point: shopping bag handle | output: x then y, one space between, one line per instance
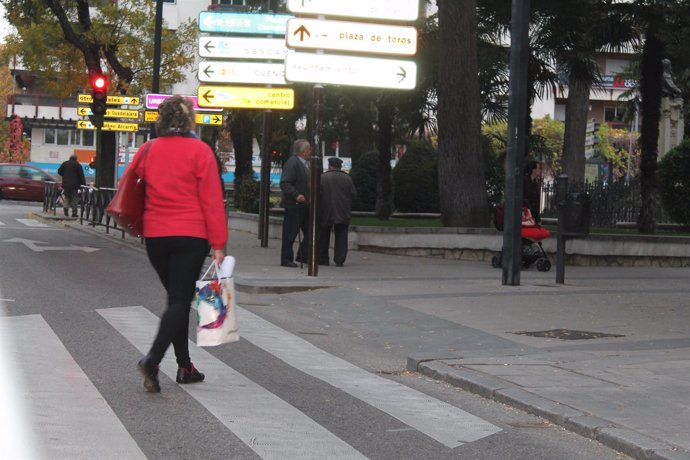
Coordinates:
213 265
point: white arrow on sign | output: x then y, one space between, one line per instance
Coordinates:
33 245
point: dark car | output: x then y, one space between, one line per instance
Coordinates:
23 182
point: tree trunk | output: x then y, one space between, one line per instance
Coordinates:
384 196
241 133
576 108
651 70
462 184
358 128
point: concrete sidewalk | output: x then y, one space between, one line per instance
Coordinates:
606 355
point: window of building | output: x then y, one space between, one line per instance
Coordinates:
59 136
62 136
613 114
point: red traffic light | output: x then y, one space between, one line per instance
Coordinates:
99 83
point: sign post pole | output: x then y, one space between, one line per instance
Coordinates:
265 181
315 183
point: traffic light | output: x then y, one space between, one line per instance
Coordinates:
99 95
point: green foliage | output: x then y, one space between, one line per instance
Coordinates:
364 174
415 179
674 182
246 195
546 142
118 33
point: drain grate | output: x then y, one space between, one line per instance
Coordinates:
567 334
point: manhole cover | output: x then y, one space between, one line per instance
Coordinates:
567 334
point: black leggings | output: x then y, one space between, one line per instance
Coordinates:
178 261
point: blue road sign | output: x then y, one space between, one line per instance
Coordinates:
243 23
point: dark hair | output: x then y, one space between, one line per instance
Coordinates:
175 116
531 166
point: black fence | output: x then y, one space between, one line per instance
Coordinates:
612 204
92 204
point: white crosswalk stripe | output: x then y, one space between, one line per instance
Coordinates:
65 408
267 424
1 224
445 423
32 223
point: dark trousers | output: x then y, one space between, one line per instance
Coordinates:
71 200
178 261
295 219
339 246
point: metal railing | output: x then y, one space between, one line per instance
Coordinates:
611 203
92 204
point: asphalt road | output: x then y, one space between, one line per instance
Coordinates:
76 311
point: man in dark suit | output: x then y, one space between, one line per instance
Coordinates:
337 193
72 178
294 184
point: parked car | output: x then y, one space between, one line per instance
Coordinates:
24 182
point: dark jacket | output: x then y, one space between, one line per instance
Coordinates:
337 193
72 174
294 181
531 194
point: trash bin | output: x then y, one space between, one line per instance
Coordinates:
576 213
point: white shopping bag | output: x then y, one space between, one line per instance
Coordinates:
216 307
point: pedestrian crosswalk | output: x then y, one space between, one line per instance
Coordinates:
31 223
65 408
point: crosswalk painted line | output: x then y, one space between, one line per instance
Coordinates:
268 425
64 407
32 223
441 421
1 224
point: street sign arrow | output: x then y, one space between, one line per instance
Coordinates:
301 30
33 245
402 74
208 71
208 97
209 47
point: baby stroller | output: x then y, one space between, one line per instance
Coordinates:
532 234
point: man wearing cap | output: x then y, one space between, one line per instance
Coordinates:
337 193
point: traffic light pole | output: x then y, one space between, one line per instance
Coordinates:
99 157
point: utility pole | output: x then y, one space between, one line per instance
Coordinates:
517 117
155 81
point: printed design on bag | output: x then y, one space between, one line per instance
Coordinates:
212 294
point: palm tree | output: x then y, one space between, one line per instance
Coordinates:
462 187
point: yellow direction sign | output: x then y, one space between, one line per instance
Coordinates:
112 100
110 113
150 115
238 97
109 126
201 118
209 119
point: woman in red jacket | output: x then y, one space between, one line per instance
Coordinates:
184 217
